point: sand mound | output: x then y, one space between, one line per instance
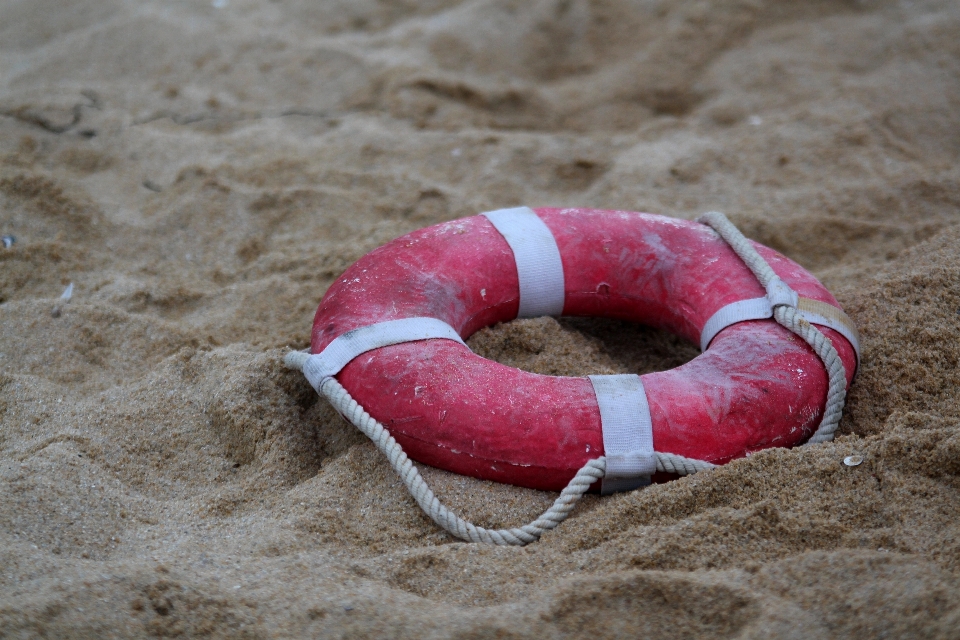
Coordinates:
202 172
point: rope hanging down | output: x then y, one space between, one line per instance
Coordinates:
341 400
344 403
785 313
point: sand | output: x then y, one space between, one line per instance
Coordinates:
202 173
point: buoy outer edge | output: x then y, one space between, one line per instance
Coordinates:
757 386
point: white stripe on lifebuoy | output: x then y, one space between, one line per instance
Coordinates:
627 432
760 309
345 348
539 267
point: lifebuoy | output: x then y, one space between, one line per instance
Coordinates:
391 328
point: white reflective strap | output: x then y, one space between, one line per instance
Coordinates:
351 344
740 311
539 267
813 311
627 432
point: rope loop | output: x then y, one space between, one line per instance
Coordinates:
594 470
591 472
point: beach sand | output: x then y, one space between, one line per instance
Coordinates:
201 173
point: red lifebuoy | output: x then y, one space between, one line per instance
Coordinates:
757 386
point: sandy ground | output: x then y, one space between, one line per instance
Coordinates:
202 173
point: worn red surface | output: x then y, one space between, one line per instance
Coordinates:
757 386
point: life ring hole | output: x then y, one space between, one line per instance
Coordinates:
581 346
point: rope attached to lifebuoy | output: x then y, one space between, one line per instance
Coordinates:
785 312
782 298
350 409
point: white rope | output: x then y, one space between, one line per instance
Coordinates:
787 315
594 470
673 463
